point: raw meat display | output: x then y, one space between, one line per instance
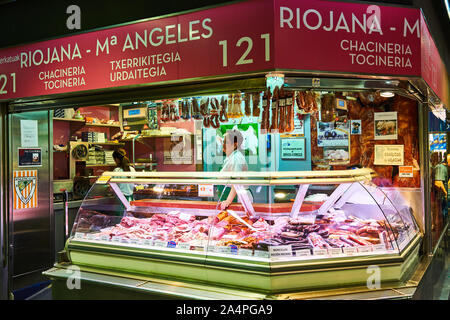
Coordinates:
313 231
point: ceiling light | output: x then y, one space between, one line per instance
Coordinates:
387 94
280 195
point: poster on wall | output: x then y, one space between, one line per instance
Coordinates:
355 127
333 134
405 171
25 189
389 155
385 126
30 157
29 133
293 149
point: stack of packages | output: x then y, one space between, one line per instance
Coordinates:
109 157
96 156
98 137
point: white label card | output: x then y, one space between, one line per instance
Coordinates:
79 235
104 237
335 251
365 249
184 246
223 249
379 247
245 252
159 243
147 242
320 252
261 254
303 253
116 239
206 190
280 251
349 250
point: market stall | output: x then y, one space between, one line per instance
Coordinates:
332 142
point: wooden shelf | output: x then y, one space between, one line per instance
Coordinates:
69 120
87 124
107 143
100 165
159 136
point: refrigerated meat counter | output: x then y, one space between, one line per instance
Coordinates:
160 246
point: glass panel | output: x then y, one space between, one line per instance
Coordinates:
100 209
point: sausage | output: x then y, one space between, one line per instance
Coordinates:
248 111
255 100
274 123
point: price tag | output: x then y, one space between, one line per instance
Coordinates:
349 250
125 240
261 254
171 244
103 179
134 241
245 252
320 252
104 238
147 242
212 249
79 235
184 246
303 253
206 190
223 249
159 243
116 239
365 249
289 101
335 251
90 236
198 248
379 247
280 251
233 249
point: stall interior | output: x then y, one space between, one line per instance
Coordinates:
282 130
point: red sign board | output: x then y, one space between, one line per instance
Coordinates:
347 37
243 37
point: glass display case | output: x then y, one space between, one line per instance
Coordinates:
314 229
